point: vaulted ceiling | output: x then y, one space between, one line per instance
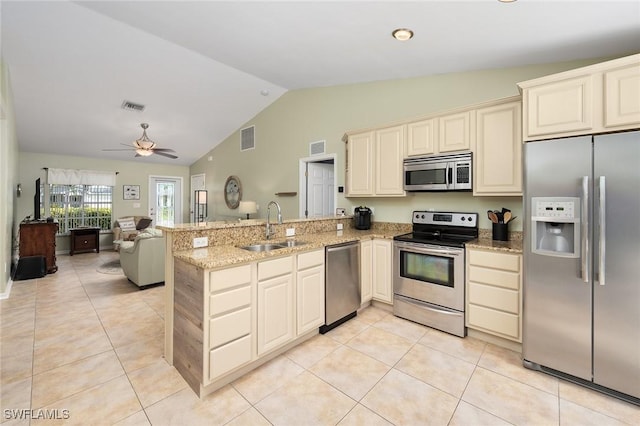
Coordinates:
204 68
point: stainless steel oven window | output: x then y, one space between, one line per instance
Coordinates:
427 268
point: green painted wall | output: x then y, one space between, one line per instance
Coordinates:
8 176
284 130
129 173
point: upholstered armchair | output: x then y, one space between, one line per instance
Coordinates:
127 228
142 259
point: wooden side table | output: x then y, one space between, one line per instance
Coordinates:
83 239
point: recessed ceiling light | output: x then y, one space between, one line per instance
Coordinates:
264 92
402 34
507 1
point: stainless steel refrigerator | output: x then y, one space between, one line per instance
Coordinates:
582 261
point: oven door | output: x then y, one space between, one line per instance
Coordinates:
429 273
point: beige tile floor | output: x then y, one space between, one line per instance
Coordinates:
91 344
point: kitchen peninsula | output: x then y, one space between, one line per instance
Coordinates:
229 310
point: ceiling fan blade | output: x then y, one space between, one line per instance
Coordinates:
119 149
163 149
164 154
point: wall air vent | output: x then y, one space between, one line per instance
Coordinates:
132 106
316 148
247 138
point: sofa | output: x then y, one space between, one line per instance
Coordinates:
142 259
127 228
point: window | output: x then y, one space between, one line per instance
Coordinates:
81 205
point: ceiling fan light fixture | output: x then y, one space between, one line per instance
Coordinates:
144 142
143 152
402 34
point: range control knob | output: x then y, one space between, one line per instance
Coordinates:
470 219
423 216
417 216
463 218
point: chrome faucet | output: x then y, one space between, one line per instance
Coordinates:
269 230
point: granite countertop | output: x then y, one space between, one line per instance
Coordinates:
214 257
512 246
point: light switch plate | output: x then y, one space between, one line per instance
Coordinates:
200 242
340 226
291 232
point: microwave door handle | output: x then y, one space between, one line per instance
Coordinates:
449 175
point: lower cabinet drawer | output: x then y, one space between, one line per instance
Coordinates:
501 323
229 300
227 357
494 297
228 327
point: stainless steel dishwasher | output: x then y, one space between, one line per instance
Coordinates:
342 284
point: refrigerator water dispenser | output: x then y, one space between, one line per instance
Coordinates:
555 226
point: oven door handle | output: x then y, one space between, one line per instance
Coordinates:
427 306
420 248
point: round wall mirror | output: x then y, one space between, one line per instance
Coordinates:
232 192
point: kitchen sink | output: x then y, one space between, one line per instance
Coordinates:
273 246
263 247
292 243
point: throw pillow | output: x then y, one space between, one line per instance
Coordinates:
127 224
143 223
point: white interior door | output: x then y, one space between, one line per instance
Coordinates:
165 200
197 183
320 187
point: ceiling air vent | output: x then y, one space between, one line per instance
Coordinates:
316 148
247 138
132 106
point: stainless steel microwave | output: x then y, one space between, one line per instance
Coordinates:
453 172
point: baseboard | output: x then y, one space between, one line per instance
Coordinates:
7 291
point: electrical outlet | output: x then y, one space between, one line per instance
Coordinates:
291 232
200 242
340 226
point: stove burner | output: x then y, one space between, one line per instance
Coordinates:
442 228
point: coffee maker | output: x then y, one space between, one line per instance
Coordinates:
362 217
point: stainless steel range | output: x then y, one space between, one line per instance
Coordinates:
429 269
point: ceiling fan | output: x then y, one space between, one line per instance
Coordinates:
144 146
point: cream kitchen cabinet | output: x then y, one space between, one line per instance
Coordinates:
454 132
374 163
366 277
494 293
497 149
422 137
275 303
228 331
381 270
310 291
440 134
595 99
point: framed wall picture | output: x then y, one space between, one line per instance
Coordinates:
131 192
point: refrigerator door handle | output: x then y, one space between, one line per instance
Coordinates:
585 229
603 230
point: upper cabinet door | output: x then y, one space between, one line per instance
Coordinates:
498 150
560 107
622 96
421 137
389 156
454 132
360 164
